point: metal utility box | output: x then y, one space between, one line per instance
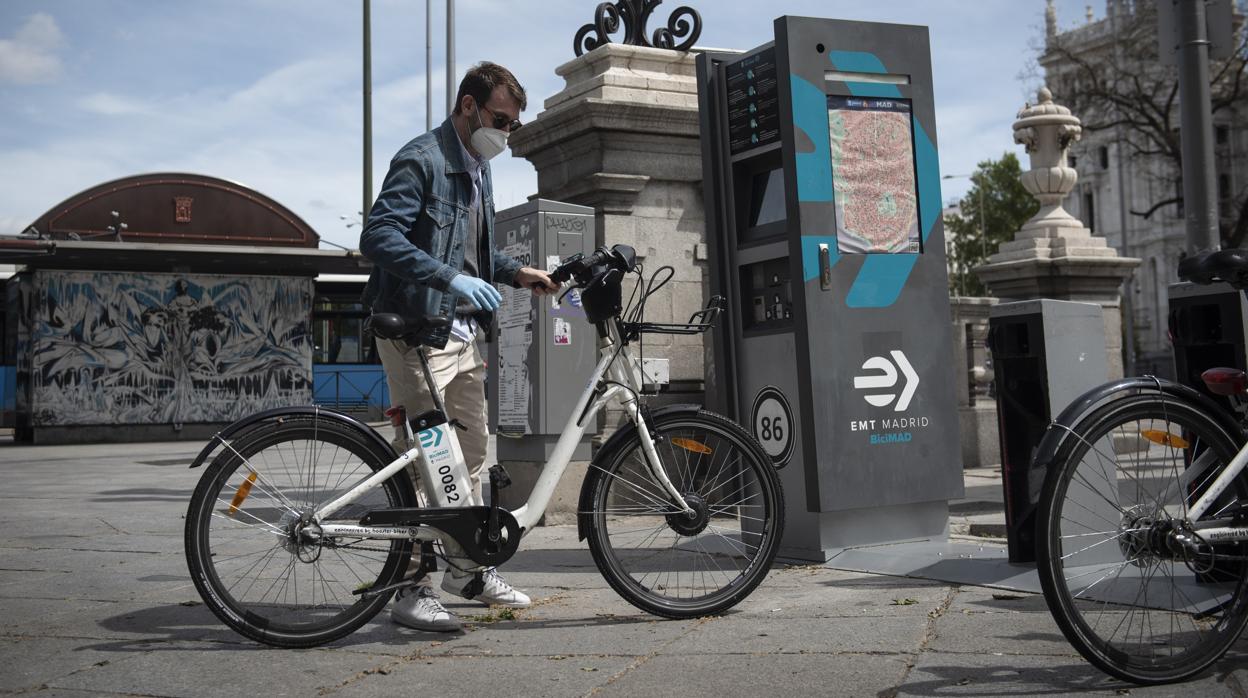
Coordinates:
543 351
1045 353
822 191
1209 328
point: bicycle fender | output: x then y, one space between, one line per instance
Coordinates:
584 504
1059 431
300 411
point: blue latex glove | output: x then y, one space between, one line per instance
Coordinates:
481 295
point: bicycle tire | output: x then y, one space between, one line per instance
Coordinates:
741 524
249 569
1112 492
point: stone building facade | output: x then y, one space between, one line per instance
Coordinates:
1118 182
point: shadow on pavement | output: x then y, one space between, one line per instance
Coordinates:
1005 680
166 627
171 623
143 494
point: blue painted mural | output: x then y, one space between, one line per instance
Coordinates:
113 348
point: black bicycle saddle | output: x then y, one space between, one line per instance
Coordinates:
1230 266
392 326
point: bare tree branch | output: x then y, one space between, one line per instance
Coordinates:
1149 213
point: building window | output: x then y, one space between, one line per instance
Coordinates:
1224 186
1073 161
338 332
1104 155
1222 134
1089 210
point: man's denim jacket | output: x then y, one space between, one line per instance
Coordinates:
416 232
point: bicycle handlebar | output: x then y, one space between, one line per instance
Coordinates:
583 269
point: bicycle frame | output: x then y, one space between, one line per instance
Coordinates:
617 372
1212 532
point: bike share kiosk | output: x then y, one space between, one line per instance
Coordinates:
544 349
1045 354
1208 326
824 217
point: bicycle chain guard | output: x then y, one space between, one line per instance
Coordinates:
468 526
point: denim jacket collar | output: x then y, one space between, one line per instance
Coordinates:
452 147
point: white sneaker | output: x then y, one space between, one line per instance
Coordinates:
497 591
418 607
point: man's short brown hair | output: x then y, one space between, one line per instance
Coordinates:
480 81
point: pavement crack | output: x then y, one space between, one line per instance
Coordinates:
929 634
642 659
382 669
106 523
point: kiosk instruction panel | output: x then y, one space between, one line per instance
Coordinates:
753 102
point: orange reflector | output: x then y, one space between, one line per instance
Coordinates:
1165 438
243 490
691 445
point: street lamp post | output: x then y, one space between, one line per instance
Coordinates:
368 108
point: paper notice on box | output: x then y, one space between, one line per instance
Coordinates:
563 332
517 305
513 379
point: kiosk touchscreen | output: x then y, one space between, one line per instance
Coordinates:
823 202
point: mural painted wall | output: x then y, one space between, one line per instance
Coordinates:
17 319
117 348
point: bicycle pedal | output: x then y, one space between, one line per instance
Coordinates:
499 477
369 593
474 588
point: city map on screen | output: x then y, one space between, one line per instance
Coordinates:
877 205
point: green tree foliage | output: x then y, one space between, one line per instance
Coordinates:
1006 206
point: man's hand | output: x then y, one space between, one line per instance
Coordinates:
536 281
481 295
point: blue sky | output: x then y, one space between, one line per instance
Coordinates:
267 92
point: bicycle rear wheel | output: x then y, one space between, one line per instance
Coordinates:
661 560
1127 594
246 556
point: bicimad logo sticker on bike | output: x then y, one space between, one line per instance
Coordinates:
890 381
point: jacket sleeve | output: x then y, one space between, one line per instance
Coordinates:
384 239
505 269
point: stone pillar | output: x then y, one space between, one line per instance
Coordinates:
977 409
1054 255
622 137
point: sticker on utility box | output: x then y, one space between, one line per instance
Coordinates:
772 421
563 332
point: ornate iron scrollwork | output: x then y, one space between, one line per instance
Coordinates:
634 14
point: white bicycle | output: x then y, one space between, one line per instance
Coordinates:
302 526
1142 526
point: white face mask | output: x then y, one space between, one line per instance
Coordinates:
487 141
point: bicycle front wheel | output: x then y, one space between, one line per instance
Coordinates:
248 556
1129 593
664 561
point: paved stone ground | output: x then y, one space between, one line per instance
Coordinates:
95 600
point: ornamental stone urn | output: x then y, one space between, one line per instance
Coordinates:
1046 130
1053 255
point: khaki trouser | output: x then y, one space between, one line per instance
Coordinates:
459 372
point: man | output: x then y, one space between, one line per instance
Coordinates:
430 237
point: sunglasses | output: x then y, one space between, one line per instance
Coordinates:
501 122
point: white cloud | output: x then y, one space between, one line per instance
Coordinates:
30 57
107 104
